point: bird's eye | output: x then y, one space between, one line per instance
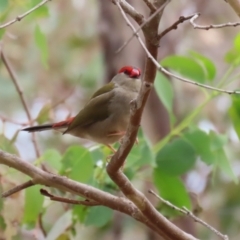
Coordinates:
131 72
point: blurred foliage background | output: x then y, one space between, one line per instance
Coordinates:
189 139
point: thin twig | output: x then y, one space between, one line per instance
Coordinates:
175 25
141 26
40 223
18 188
6 119
20 93
68 200
150 5
211 26
185 211
20 17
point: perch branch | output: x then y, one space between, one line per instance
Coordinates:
169 230
38 176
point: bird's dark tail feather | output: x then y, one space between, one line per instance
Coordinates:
38 128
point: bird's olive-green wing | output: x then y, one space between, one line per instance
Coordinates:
105 89
95 110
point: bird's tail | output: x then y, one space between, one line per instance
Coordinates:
55 126
38 128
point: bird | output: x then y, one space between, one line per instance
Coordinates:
105 117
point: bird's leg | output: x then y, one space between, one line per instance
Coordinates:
112 134
110 147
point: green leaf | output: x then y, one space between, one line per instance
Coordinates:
223 163
60 226
3 5
233 55
185 66
80 212
176 158
98 216
171 188
201 142
207 64
234 113
2 32
53 158
217 146
236 42
3 224
7 145
41 42
164 91
93 72
218 141
78 164
40 12
33 204
140 155
1 199
44 114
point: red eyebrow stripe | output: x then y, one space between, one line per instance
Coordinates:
63 123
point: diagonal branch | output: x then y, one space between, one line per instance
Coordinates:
142 25
131 11
20 93
20 17
38 176
168 230
235 4
18 188
186 212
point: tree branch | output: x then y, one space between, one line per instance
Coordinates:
38 176
186 212
20 17
169 230
235 4
175 25
131 11
68 200
211 26
18 188
20 93
150 5
163 70
141 26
